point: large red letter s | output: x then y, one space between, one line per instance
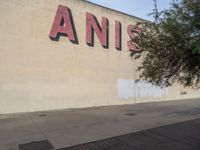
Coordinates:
133 31
92 26
63 25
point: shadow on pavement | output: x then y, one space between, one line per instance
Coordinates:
179 136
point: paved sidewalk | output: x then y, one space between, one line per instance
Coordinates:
66 128
179 136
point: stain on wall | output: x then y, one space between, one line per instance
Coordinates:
135 89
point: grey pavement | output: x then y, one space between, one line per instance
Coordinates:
179 136
138 124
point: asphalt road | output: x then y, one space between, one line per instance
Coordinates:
117 127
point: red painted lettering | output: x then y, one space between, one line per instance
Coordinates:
118 34
132 31
92 26
63 25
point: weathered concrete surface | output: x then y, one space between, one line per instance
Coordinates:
71 127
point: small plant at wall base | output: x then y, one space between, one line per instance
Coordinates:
171 45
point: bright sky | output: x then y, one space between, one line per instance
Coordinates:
138 8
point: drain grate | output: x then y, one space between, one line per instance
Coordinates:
42 115
130 114
36 145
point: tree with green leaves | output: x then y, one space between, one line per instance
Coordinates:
170 45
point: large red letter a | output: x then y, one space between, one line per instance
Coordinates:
63 25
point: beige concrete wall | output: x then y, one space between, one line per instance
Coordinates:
37 73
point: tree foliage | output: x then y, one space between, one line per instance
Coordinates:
171 45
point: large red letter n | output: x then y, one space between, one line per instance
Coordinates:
92 26
63 25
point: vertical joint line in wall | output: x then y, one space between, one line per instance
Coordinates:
134 76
